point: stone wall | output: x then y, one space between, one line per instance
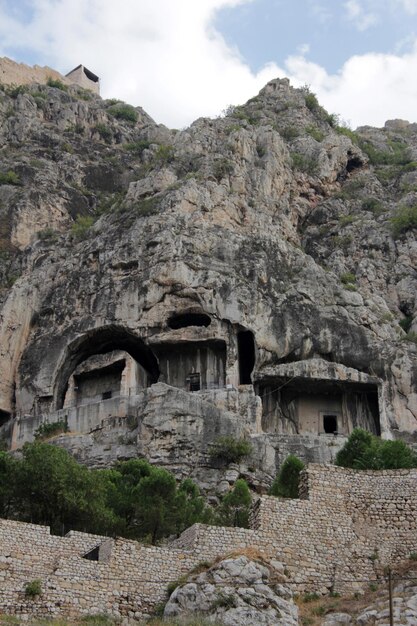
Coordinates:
346 527
12 73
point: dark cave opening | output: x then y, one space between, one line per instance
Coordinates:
318 406
182 320
102 341
353 164
4 417
330 424
246 356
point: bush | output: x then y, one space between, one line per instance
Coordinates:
310 99
164 154
104 132
406 323
315 132
397 153
348 132
81 226
366 451
289 133
9 178
235 506
49 430
33 588
304 163
374 205
123 112
229 449
221 168
348 278
404 219
137 147
48 235
287 481
57 84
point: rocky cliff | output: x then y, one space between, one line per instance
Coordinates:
261 267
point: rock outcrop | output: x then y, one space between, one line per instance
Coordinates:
250 260
236 592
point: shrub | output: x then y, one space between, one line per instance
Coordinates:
147 206
315 132
57 84
348 132
49 430
224 600
348 278
374 205
229 449
221 168
287 480
9 178
304 163
404 219
137 147
123 112
289 133
81 226
234 509
33 589
358 442
310 99
366 451
104 132
406 322
411 336
397 153
344 220
164 154
15 90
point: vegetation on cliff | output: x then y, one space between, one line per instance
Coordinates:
133 499
366 451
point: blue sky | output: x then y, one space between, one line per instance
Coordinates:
270 30
181 59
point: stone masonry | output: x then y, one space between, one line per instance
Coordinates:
344 530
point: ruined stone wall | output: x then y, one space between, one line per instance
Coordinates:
347 526
12 73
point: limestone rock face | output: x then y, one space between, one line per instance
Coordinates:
235 592
247 261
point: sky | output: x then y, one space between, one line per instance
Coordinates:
183 59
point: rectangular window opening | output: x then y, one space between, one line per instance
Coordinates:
194 381
330 424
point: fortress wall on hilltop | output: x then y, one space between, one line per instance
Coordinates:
12 73
340 535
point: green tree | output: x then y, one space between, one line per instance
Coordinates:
8 471
235 506
191 506
288 478
156 514
53 489
357 445
366 451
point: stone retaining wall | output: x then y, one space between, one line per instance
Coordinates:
339 536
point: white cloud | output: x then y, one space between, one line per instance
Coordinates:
409 5
161 54
369 88
166 56
359 16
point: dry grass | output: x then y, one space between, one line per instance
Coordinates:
311 612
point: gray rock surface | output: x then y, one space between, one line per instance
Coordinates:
236 592
270 219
